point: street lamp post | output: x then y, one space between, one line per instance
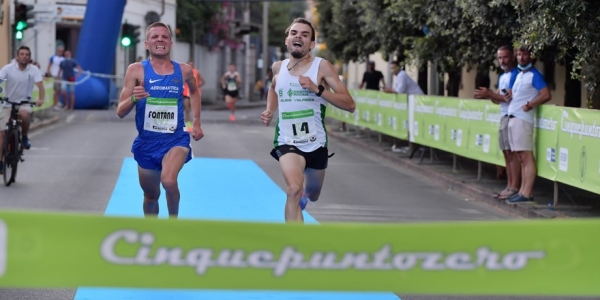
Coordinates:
265 41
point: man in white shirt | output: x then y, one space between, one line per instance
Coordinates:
404 84
53 69
20 77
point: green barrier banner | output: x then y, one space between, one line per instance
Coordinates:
366 104
496 258
577 155
378 111
468 128
361 113
344 116
436 124
483 120
391 114
48 96
546 141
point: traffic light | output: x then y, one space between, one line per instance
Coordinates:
245 28
129 34
23 14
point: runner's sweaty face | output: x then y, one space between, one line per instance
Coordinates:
158 41
298 40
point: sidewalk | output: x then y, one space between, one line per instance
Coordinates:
43 118
572 202
219 104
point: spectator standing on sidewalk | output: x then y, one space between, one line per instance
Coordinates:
403 84
371 78
529 91
506 59
53 69
67 74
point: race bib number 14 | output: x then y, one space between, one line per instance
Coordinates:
299 127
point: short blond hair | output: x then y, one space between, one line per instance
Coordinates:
158 24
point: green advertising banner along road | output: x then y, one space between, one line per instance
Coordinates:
468 128
546 141
564 137
381 112
577 156
493 258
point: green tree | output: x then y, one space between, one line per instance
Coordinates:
281 14
571 26
199 15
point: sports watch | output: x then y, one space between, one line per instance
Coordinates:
321 89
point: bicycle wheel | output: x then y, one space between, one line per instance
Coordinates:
11 157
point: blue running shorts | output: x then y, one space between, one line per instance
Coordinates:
149 153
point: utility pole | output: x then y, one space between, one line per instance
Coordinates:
193 44
248 63
265 41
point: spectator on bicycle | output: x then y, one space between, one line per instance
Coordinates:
20 78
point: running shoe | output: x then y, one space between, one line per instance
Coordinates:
303 202
232 118
519 199
26 143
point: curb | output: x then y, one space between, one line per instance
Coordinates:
470 191
43 123
238 107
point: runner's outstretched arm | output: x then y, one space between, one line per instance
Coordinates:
130 92
340 97
272 101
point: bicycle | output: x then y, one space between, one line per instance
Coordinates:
13 145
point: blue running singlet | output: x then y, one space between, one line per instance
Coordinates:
159 118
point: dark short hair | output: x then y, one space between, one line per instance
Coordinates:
302 21
24 48
506 48
524 48
371 63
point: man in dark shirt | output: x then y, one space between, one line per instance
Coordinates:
372 78
67 75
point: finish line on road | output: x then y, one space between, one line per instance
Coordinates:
212 189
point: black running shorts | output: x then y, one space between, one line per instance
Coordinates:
314 160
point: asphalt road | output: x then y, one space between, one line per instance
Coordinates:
74 165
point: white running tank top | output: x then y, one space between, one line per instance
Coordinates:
301 114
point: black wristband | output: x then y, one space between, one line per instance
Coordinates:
321 89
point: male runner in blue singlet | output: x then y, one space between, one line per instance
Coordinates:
154 87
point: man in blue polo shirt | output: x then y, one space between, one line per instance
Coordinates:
528 92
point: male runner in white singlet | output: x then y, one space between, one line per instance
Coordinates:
301 89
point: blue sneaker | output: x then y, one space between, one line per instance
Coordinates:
26 143
519 199
303 202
